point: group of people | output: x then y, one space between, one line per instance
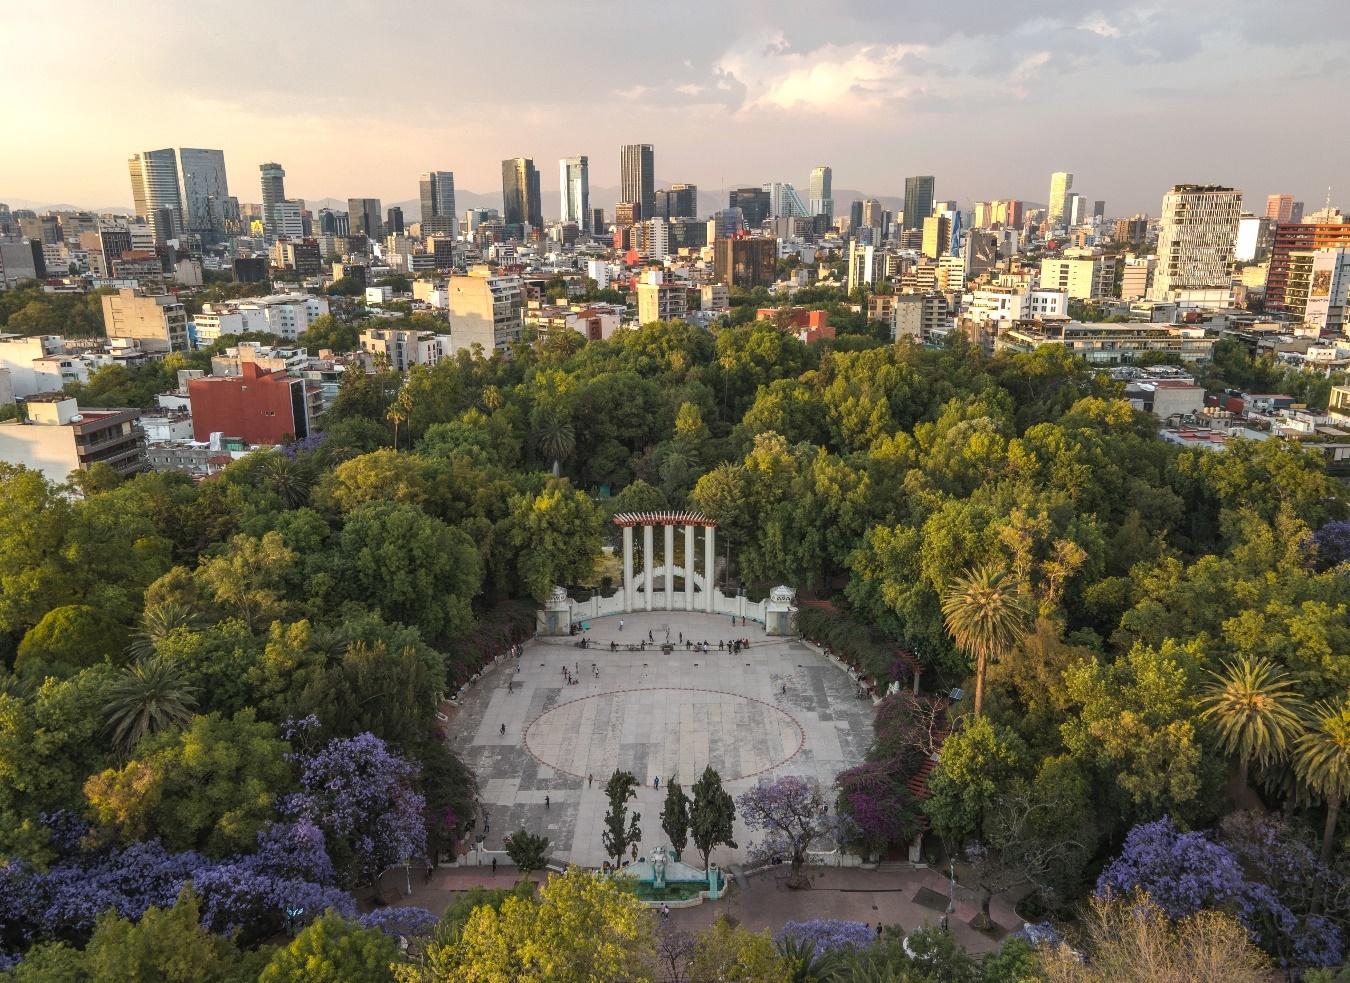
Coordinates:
735 645
572 676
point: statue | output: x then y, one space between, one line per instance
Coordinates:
659 861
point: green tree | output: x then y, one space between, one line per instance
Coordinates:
712 815
976 764
675 815
728 952
412 568
581 927
527 851
149 696
552 538
1256 713
213 786
1322 763
987 617
621 830
555 437
331 949
71 637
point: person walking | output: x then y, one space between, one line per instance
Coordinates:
589 779
620 624
494 866
665 912
546 802
503 730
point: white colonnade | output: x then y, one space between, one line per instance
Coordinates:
648 521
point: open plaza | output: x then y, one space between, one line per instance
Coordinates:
777 707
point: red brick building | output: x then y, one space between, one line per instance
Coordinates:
806 324
259 406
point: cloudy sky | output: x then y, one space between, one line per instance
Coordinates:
355 97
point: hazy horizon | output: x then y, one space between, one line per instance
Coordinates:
989 97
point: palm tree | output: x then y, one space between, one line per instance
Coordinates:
287 477
986 616
399 411
1256 711
158 622
1322 763
556 439
150 696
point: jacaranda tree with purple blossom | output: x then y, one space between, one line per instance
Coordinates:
362 796
828 934
1181 872
793 814
876 810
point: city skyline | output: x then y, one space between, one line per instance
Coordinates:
890 93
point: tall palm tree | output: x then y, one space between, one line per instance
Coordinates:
556 439
150 696
1255 710
158 622
1322 763
986 615
399 411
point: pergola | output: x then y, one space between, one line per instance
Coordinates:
649 521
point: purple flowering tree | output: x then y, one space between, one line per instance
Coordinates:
1182 872
406 921
1332 542
361 795
876 810
827 934
793 815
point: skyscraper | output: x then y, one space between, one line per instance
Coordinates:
437 192
637 177
393 220
822 191
520 193
919 193
1195 239
273 193
155 191
1280 208
1057 206
363 215
680 201
204 190
574 180
753 203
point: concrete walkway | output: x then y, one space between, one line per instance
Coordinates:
871 896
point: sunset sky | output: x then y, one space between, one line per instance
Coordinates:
355 98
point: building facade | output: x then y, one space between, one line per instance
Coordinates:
156 193
1196 238
574 180
637 177
1057 204
257 406
919 194
158 323
485 310
205 190
520 193
56 437
746 263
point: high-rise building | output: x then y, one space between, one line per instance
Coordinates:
273 193
784 202
574 180
822 192
1195 239
437 192
1074 214
393 221
205 190
363 216
158 323
919 193
155 191
1057 206
1280 208
680 201
855 212
873 214
745 263
1098 211
1298 237
937 235
485 310
637 177
520 193
597 221
753 203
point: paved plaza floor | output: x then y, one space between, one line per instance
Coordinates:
776 708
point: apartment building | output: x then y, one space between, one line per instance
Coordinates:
485 310
158 323
56 437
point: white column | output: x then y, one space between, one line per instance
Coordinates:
709 564
647 584
688 566
628 568
669 560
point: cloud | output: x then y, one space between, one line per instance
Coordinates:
840 79
1100 26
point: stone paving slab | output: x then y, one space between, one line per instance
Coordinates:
773 709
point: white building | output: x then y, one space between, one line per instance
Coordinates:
862 265
26 361
284 315
406 348
1082 275
991 304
